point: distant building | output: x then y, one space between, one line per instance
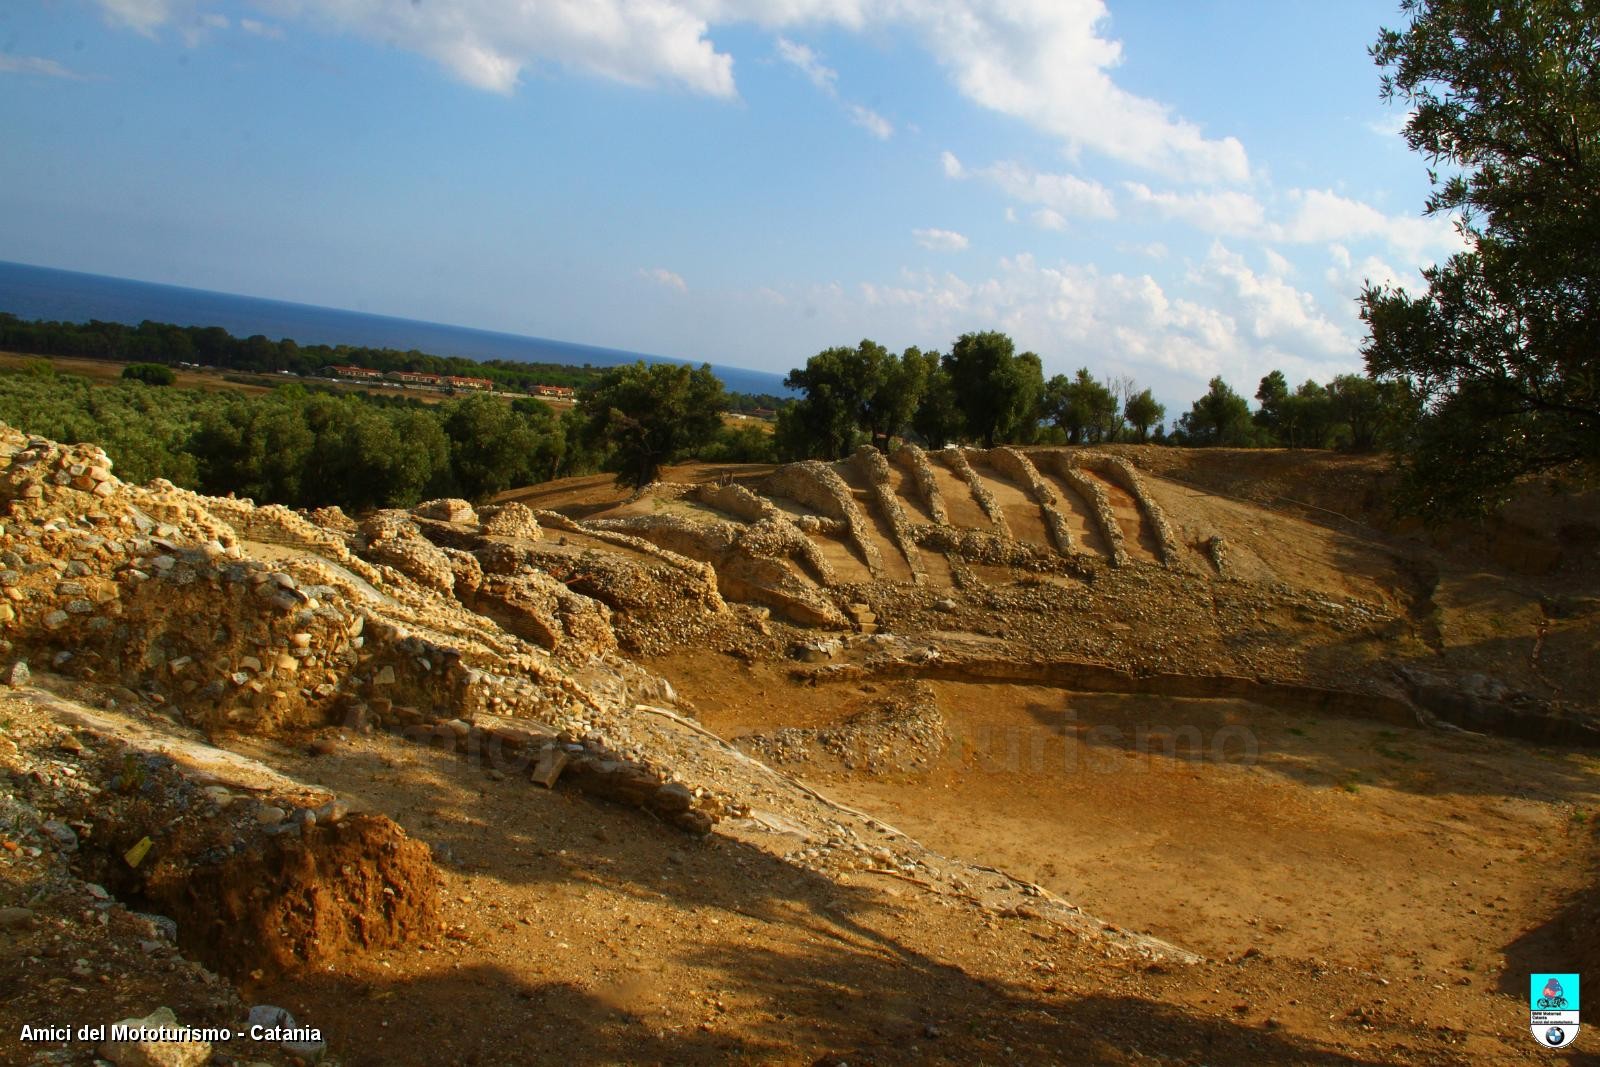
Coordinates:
764 413
555 392
411 377
455 382
351 372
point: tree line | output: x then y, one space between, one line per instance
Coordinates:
309 447
166 344
984 391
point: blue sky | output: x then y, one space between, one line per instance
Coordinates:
1162 190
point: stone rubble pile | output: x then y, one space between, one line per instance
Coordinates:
151 591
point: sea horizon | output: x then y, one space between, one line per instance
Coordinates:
52 293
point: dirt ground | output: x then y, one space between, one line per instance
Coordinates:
572 926
1217 824
1357 888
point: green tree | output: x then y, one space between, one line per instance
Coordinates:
850 394
1221 417
1082 407
254 447
837 385
1301 419
1272 396
494 446
646 414
890 408
747 443
149 373
1367 415
1143 412
1501 348
996 390
937 418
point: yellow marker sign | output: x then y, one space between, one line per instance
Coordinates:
137 853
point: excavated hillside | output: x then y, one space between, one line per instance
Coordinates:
1017 755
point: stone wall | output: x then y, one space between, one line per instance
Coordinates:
871 465
1016 465
956 460
1104 519
819 487
1124 474
915 460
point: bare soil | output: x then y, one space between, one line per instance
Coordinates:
1366 887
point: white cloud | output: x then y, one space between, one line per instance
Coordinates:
1392 123
142 16
46 68
825 78
1048 219
1278 265
1349 275
1152 249
1063 195
261 29
803 59
1223 212
1321 216
198 27
1277 312
490 43
1043 62
1312 216
871 121
665 278
940 240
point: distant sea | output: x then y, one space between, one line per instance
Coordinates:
70 296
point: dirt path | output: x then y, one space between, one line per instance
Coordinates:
579 933
1424 865
1311 843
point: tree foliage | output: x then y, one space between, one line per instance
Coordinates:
1082 407
996 390
294 446
850 396
1143 412
1220 417
149 373
644 415
1501 348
